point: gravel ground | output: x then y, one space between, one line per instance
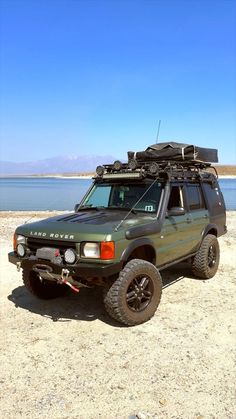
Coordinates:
67 359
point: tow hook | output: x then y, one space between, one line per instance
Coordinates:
64 277
18 266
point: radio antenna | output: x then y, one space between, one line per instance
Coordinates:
158 130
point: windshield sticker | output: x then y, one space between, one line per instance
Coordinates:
149 208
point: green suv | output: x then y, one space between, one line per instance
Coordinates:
160 208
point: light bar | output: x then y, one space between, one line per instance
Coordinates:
122 175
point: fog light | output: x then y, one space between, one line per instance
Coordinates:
100 170
153 168
21 250
132 164
70 256
117 165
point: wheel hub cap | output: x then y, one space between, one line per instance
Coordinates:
139 293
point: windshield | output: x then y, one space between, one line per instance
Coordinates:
138 196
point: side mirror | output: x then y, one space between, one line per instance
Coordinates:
76 207
176 211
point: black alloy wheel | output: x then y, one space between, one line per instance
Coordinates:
139 293
212 256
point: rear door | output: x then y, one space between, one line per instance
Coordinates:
197 214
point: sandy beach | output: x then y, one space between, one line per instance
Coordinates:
66 358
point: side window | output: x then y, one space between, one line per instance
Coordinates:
195 198
176 197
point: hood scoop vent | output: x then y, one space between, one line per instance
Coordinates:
83 217
70 217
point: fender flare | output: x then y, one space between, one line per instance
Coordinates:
142 241
208 228
205 232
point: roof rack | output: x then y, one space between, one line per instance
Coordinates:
164 160
152 169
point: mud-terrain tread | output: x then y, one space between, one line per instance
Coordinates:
200 266
112 297
45 291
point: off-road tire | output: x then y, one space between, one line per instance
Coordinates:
45 290
117 298
206 261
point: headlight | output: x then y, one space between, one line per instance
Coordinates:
103 250
17 239
21 250
20 239
70 256
91 250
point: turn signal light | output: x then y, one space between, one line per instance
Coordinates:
107 250
14 242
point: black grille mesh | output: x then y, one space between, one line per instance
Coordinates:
36 243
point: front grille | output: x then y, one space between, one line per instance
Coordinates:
35 243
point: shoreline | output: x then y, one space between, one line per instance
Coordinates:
77 177
226 177
47 177
20 213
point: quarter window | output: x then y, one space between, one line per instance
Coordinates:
195 199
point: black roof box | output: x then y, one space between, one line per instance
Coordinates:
173 151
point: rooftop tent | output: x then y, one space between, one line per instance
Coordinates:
173 151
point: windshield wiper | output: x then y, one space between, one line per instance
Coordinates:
98 208
123 209
89 207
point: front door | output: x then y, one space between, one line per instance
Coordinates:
175 238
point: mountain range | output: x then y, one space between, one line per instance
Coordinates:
55 165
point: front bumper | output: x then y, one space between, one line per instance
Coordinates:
81 270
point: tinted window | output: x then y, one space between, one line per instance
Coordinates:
214 198
195 199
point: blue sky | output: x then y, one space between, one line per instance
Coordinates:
94 77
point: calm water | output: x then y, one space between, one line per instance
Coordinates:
62 194
41 193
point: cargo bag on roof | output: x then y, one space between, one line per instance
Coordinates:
176 152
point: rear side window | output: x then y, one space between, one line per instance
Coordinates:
214 198
195 198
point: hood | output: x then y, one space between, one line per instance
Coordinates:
94 225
